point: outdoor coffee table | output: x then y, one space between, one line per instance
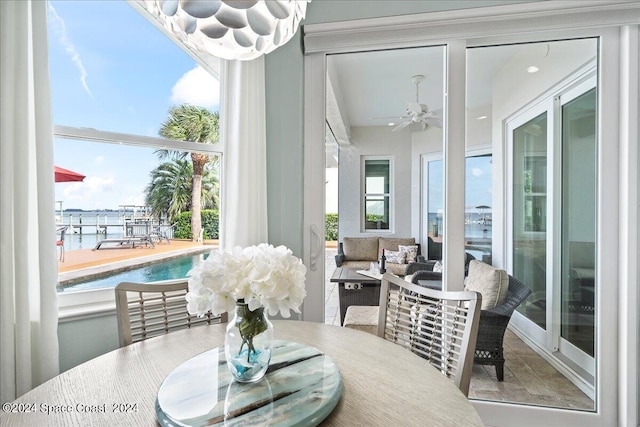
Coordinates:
355 289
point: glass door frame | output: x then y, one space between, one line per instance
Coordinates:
514 23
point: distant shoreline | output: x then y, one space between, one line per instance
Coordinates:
89 210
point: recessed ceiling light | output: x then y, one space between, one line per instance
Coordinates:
481 118
391 124
532 69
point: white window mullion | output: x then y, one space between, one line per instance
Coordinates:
454 165
94 135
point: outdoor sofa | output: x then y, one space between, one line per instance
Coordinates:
360 252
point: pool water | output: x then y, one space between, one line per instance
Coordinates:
175 268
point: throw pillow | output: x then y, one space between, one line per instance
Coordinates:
394 257
360 248
491 282
438 267
410 251
392 243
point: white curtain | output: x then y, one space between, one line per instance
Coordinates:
28 265
244 187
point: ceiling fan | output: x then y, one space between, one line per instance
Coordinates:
419 113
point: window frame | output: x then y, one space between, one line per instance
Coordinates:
364 195
99 302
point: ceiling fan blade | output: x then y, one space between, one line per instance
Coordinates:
433 121
390 117
401 126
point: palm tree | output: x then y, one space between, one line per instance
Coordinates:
195 124
170 189
211 184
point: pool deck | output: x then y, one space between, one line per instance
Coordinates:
86 262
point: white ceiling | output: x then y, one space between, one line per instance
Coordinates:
373 88
369 85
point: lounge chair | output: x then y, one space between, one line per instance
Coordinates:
125 243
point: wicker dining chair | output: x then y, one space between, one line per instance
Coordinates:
438 326
146 310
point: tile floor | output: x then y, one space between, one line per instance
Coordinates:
528 378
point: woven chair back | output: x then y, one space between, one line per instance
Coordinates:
146 310
438 326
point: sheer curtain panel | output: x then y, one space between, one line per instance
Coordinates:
244 192
28 266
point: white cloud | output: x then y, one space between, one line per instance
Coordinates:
91 187
477 172
137 200
196 87
61 30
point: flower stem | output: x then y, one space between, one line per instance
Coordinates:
251 324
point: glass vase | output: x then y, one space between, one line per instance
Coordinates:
248 343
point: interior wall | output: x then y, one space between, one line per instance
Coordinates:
284 92
374 141
479 130
81 340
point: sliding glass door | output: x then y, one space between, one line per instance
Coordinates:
529 244
552 174
578 109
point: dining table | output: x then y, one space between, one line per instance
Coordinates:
382 383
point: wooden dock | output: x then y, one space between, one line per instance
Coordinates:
126 229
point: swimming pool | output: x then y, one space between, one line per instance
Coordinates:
175 268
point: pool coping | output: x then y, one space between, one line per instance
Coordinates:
75 276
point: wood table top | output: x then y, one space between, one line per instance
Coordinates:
383 383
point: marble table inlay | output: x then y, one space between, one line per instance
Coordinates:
301 388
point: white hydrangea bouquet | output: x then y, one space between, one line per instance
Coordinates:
249 281
259 276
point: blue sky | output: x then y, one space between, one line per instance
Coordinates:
112 70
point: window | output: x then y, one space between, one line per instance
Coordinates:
377 194
111 94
